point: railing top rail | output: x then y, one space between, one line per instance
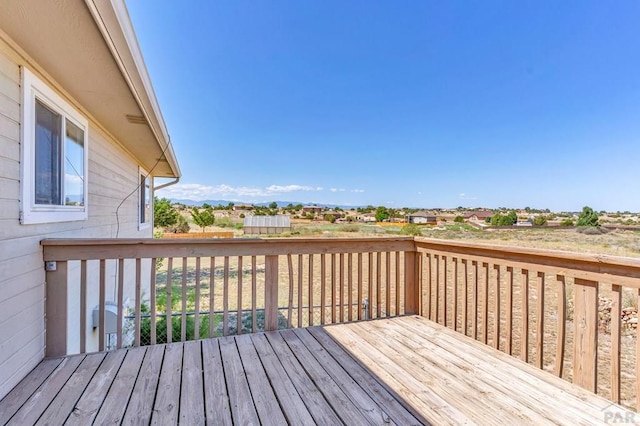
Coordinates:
614 266
123 248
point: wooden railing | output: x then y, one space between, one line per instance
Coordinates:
541 306
549 308
184 289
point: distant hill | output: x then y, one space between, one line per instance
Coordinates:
280 203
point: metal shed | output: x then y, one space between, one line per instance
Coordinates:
267 224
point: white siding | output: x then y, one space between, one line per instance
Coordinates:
112 175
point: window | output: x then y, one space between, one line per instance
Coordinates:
54 156
145 200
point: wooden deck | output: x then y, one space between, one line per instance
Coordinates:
405 370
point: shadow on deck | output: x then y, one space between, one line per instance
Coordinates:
405 370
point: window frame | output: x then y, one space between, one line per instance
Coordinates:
148 223
33 88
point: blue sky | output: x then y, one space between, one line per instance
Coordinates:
400 103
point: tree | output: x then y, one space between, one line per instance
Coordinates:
382 214
588 217
164 214
504 220
203 218
273 205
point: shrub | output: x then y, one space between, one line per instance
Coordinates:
539 220
181 227
567 222
330 218
588 217
350 228
458 219
411 229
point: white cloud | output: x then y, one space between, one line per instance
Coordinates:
198 192
291 188
337 189
464 196
357 190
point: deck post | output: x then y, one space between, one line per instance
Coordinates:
411 283
271 293
585 320
56 310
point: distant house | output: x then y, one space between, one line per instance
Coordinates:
256 225
242 207
480 216
421 218
312 209
367 217
81 140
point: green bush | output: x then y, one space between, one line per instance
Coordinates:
180 227
458 219
539 220
567 222
588 217
411 229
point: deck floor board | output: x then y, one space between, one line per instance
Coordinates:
403 371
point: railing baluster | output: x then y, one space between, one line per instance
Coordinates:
562 324
239 303
474 304
101 308
138 304
225 298
436 297
334 304
120 303
509 348
378 284
397 287
540 320
428 285
387 284
323 288
152 301
183 304
254 294
524 334
83 308
212 287
359 286
300 269
485 304
496 312
445 285
370 285
291 284
350 285
310 281
616 298
196 315
465 324
341 287
455 294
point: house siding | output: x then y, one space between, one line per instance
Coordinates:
112 176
